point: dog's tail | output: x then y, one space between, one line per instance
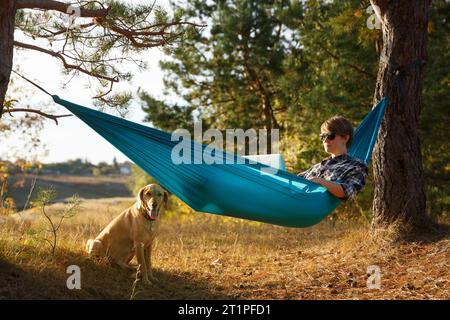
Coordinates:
94 247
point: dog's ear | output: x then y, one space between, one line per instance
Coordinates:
140 199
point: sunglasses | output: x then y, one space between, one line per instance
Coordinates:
327 136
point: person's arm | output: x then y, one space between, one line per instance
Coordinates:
334 188
349 186
309 172
303 173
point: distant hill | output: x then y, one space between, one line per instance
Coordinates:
88 187
78 167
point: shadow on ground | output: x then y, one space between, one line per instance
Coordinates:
98 281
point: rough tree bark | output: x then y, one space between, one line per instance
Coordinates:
7 15
397 161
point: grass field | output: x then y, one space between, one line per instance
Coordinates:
202 256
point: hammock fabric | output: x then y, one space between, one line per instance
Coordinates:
236 190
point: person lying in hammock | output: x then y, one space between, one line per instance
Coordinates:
341 174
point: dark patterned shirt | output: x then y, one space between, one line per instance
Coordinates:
349 172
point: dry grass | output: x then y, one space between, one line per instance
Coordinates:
202 256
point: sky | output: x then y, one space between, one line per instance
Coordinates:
73 139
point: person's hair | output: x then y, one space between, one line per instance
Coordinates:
339 125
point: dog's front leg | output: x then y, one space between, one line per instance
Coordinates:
148 260
140 255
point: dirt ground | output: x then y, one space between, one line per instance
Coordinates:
203 256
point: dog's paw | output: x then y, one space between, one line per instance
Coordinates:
146 282
94 247
153 279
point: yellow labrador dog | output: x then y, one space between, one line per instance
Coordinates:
132 232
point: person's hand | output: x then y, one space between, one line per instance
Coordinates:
317 180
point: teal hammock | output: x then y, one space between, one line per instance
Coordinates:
238 190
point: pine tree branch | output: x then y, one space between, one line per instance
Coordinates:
338 59
62 31
59 6
137 32
134 34
65 63
46 115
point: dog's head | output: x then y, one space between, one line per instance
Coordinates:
150 200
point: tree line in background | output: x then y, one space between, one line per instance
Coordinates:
69 167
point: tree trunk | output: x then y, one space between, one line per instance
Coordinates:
397 161
7 20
